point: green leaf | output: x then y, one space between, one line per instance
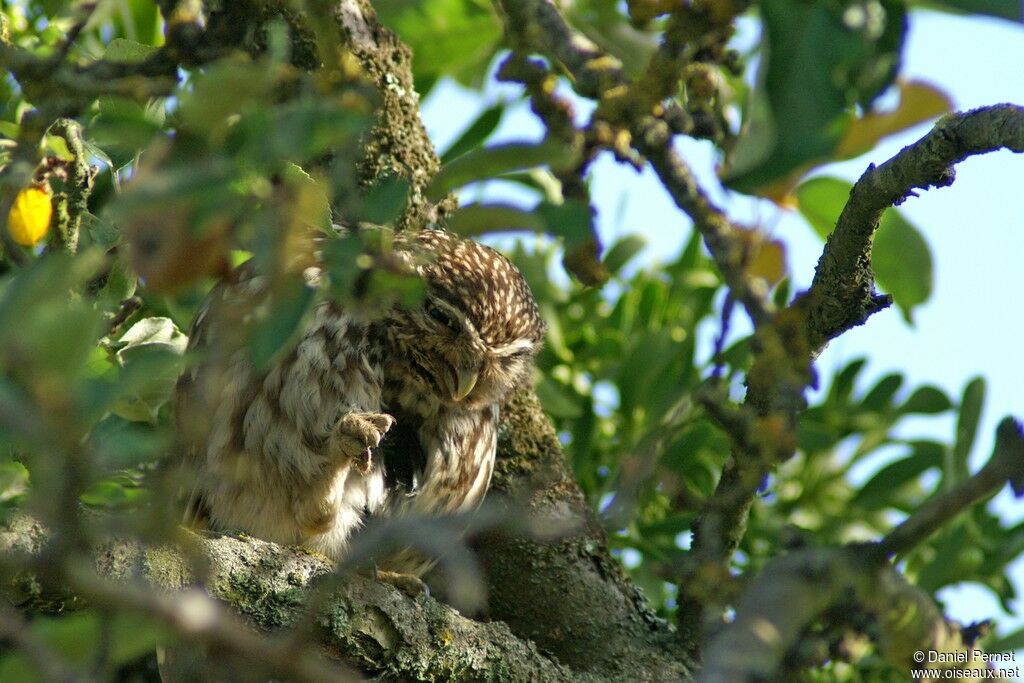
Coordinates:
206 112
311 207
119 444
845 54
43 325
299 132
1011 642
971 404
480 219
881 490
1004 9
842 385
813 436
79 636
540 180
276 320
454 38
114 494
490 162
919 102
123 51
149 354
122 128
386 200
927 400
558 400
879 397
13 482
820 200
902 262
476 133
571 220
622 252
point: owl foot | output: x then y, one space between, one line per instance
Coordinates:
357 434
409 584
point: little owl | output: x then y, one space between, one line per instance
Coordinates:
374 412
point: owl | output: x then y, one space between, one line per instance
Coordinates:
376 411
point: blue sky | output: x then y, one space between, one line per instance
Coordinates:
973 324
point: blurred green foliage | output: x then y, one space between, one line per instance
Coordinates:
248 155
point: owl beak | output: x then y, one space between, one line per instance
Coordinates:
466 378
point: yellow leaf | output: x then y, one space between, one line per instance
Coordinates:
919 102
769 262
29 218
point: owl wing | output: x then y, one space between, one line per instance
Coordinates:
263 450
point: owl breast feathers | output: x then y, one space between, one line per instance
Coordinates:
373 412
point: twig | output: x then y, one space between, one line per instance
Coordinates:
126 310
842 293
537 24
61 53
1005 465
796 589
79 182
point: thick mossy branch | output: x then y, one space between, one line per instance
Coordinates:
570 596
368 625
399 144
842 294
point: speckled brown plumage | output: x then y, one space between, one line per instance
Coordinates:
296 453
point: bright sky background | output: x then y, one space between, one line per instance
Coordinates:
974 322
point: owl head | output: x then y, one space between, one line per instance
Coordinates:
474 337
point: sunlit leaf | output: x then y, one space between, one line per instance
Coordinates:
927 400
476 133
919 102
844 54
454 38
1004 9
902 262
769 263
820 200
276 320
490 162
149 354
123 51
971 404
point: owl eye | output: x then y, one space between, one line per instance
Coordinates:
443 317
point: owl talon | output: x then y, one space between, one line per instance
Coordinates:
364 461
357 434
409 584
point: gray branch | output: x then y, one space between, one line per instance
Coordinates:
842 294
367 625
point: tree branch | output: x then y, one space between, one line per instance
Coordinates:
842 293
571 596
368 625
794 590
1005 465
